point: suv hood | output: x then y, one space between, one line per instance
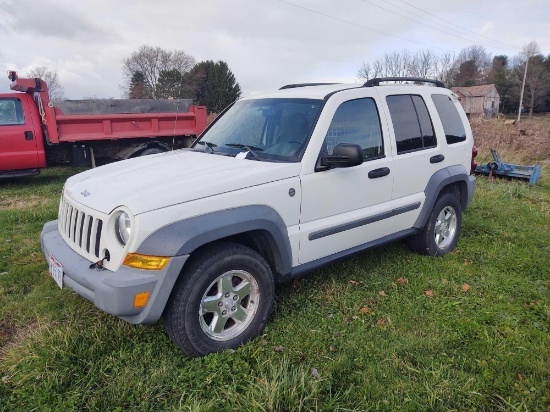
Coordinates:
158 181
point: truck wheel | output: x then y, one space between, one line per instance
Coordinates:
222 299
151 150
442 230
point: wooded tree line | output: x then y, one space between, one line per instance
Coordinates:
474 66
155 73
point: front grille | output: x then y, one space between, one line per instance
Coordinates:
80 229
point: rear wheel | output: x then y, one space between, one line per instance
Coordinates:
151 150
223 298
442 230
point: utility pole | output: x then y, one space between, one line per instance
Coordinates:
523 88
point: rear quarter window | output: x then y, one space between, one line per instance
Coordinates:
450 118
411 123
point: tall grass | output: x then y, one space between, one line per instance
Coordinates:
353 336
527 141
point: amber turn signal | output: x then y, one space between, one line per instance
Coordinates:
140 300
135 260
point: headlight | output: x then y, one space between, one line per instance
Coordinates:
123 227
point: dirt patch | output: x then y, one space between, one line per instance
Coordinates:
18 203
11 336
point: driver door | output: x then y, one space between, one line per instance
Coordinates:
18 145
345 207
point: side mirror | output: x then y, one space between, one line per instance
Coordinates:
343 155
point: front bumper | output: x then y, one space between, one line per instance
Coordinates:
113 292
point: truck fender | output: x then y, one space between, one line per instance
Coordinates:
437 182
185 236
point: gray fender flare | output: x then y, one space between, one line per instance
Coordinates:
185 236
438 181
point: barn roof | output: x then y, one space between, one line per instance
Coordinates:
474 91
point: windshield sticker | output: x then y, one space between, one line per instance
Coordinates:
241 155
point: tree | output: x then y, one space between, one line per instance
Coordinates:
537 82
445 68
467 74
422 63
138 87
214 84
480 57
500 76
151 61
51 78
174 84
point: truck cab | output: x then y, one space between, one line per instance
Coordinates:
21 140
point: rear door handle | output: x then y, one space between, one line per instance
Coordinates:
437 158
29 135
383 171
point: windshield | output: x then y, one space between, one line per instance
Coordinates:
264 129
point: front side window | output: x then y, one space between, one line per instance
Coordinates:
11 112
411 123
452 123
273 129
357 122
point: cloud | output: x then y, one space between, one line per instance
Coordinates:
49 19
265 43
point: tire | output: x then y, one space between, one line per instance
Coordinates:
150 151
223 298
442 230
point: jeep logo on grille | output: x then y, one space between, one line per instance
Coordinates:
85 193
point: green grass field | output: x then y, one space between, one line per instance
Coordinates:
388 330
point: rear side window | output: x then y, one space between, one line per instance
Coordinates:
452 123
411 123
356 121
11 112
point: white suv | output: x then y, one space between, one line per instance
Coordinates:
278 185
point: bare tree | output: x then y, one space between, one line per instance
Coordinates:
445 67
480 57
530 76
421 63
536 75
152 61
51 78
369 71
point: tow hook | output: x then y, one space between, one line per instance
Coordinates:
98 265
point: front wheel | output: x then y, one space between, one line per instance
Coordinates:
442 230
222 299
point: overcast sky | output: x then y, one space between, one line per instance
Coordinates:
266 43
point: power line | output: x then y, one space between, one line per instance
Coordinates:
449 22
419 22
358 25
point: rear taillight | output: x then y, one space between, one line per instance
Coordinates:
474 163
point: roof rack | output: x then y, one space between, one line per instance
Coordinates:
293 86
376 82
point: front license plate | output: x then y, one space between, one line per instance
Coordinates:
56 270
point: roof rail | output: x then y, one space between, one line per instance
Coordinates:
293 86
376 82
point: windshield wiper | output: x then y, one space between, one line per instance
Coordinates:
209 145
251 149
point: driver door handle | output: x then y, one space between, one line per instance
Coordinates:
383 171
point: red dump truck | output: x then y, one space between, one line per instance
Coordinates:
36 132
